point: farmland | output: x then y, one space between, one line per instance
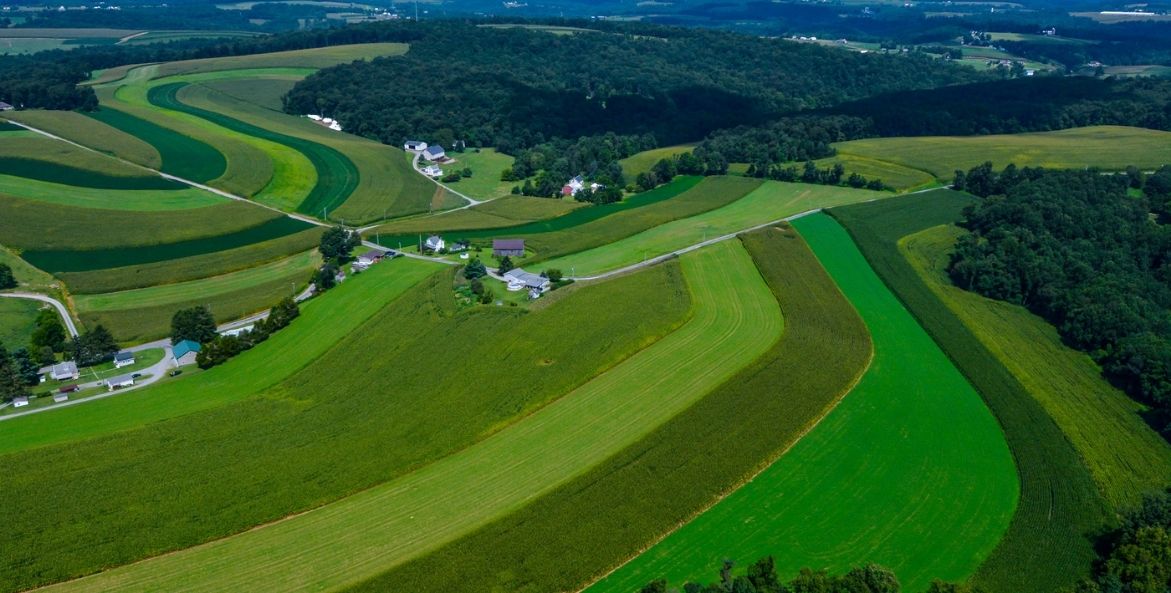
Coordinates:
486 165
893 175
643 161
1108 147
135 200
734 320
509 211
47 159
180 155
901 487
17 322
1045 547
682 466
771 201
92 133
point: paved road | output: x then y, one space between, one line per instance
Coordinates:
415 165
46 299
438 260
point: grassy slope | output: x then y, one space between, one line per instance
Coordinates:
507 211
609 513
41 148
1045 548
318 330
486 166
29 277
891 476
771 201
643 161
140 200
92 133
17 322
734 320
897 176
1126 457
1109 147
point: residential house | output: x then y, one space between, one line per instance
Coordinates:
369 258
185 352
432 171
573 186
414 145
519 279
459 246
123 359
434 243
509 247
64 370
434 152
120 382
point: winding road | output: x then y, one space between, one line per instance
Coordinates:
46 299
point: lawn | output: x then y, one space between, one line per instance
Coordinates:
47 159
1108 147
734 320
486 166
609 513
771 201
17 321
907 461
91 133
1126 457
106 198
643 161
1046 547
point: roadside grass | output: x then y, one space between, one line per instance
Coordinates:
643 161
734 320
772 200
908 460
181 155
91 133
893 175
486 166
43 227
370 422
606 515
47 159
1047 546
17 321
1127 459
178 197
143 359
322 57
318 330
27 276
265 92
190 268
1107 147
406 231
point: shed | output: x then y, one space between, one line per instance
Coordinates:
509 247
124 358
185 352
434 152
6 106
414 145
120 381
64 370
60 397
20 402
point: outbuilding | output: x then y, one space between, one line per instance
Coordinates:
122 359
6 106
508 247
414 145
434 152
20 402
120 382
185 352
63 371
60 398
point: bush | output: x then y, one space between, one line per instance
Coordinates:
7 280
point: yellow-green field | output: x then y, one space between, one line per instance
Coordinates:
893 175
508 211
143 200
322 57
643 161
486 166
91 133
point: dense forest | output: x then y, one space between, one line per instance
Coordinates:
786 140
1080 249
518 87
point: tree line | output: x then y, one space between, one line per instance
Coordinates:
761 577
1089 252
1136 557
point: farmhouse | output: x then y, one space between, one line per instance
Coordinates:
185 352
575 185
370 258
434 243
432 171
414 145
64 370
120 382
314 117
123 358
509 247
434 152
519 279
459 246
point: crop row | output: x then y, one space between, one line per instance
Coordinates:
182 156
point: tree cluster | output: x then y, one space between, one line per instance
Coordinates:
220 348
761 577
7 279
554 163
338 243
810 173
17 373
786 140
1137 555
49 337
195 323
94 346
1077 249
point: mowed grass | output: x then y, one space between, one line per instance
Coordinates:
142 314
27 276
392 405
734 320
643 161
1047 547
486 166
91 133
909 471
1126 457
17 321
1108 147
609 513
772 200
135 200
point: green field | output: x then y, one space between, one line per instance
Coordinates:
1126 457
643 161
771 201
486 166
145 313
504 212
1046 547
734 320
91 133
167 36
265 92
27 276
322 57
896 176
609 513
181 155
17 321
48 159
136 200
910 471
1108 147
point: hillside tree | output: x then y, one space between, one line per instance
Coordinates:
338 243
94 346
11 385
195 324
7 279
49 332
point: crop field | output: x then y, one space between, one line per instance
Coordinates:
265 92
504 212
145 313
38 157
190 268
643 161
606 515
160 36
322 57
17 322
1126 457
901 485
773 200
180 155
734 320
896 176
315 332
1046 547
1108 147
91 133
139 200
486 166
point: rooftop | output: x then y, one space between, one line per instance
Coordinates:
508 244
183 348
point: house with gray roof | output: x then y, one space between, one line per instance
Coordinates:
519 279
508 247
123 358
64 370
120 382
434 152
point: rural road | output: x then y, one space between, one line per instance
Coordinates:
46 299
415 165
